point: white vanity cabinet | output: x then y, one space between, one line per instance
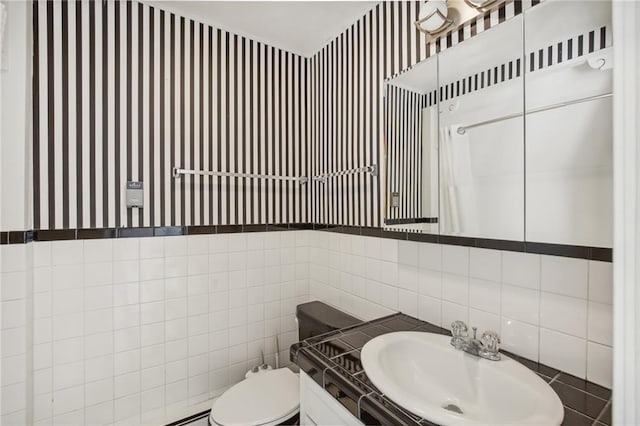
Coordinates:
318 407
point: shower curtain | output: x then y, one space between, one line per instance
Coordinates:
458 207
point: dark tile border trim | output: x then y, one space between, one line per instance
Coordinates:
408 221
580 252
21 237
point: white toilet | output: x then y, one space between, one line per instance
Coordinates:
272 397
265 399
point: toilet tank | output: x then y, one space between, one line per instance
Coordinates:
317 318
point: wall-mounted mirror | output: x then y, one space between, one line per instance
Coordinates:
482 135
411 134
508 134
569 81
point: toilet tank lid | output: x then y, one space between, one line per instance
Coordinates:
325 314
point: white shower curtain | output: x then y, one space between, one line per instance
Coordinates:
458 209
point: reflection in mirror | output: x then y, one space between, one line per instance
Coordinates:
569 170
411 129
481 135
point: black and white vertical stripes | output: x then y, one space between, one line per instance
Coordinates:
403 124
346 103
125 91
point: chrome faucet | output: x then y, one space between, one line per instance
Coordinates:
487 347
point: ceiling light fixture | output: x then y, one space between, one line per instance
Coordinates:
437 16
432 18
480 4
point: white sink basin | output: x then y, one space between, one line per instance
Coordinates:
423 373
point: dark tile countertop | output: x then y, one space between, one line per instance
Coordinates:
333 361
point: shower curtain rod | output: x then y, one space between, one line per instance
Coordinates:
463 129
177 172
373 170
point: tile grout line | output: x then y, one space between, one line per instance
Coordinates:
554 378
602 412
581 390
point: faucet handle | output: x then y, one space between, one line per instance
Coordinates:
459 332
490 341
459 329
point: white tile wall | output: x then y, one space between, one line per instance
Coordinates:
554 310
17 333
128 330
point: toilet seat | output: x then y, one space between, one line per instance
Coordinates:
263 399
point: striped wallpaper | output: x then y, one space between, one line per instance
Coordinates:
346 110
403 124
124 91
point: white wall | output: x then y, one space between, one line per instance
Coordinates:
554 310
129 330
15 118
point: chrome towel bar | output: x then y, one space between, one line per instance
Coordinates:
177 172
373 170
463 129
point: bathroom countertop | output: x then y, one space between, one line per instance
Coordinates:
333 361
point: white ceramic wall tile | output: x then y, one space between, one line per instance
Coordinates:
564 314
601 282
485 295
455 289
430 256
41 254
408 277
484 321
430 283
389 250
521 269
453 312
175 246
98 250
13 370
520 338
13 398
564 275
13 313
110 317
564 352
521 304
455 260
600 327
13 285
67 252
485 264
600 364
408 302
408 253
430 309
116 314
13 257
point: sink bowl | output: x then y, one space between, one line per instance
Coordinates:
424 374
